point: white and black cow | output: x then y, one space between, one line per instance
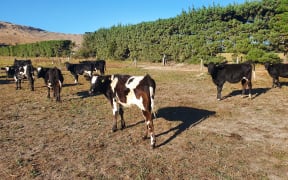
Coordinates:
233 73
23 69
126 90
98 65
79 69
53 79
276 70
10 71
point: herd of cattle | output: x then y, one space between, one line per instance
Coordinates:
127 90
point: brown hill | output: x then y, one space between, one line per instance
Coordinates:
11 34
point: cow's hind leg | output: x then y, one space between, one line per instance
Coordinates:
244 83
219 89
121 112
115 113
250 88
149 128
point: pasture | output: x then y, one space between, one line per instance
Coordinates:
197 137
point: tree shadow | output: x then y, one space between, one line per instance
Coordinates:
188 116
255 93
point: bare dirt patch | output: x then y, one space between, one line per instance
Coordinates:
198 137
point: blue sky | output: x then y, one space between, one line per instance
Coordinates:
80 16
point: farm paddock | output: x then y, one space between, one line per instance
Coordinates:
197 137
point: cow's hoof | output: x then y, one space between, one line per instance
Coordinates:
153 146
114 129
144 137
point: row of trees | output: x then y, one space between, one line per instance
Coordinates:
54 48
197 34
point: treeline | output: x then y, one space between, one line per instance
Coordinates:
54 48
255 26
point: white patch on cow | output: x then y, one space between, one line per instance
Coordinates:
115 107
25 70
152 99
60 84
152 137
49 85
39 69
15 78
88 72
134 83
113 83
7 68
94 79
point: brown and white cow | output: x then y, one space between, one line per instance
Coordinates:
124 91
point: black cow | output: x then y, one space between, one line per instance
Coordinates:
79 69
97 65
23 69
276 70
53 79
232 73
126 90
10 71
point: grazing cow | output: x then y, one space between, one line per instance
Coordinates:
232 73
276 70
126 90
79 69
53 79
97 65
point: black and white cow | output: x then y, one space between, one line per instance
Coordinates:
276 70
98 65
23 69
126 90
10 71
233 73
79 69
53 79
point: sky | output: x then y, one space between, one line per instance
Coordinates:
80 16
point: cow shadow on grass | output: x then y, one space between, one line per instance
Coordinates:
85 94
188 116
255 93
6 81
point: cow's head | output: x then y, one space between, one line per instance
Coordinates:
99 84
212 67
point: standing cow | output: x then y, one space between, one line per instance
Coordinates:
53 79
23 69
79 69
98 65
276 70
126 90
232 73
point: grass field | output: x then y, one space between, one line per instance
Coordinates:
197 137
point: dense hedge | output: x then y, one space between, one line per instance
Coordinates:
54 48
197 34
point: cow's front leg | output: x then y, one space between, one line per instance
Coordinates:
121 112
115 113
48 92
219 89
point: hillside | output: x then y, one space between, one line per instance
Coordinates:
11 34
